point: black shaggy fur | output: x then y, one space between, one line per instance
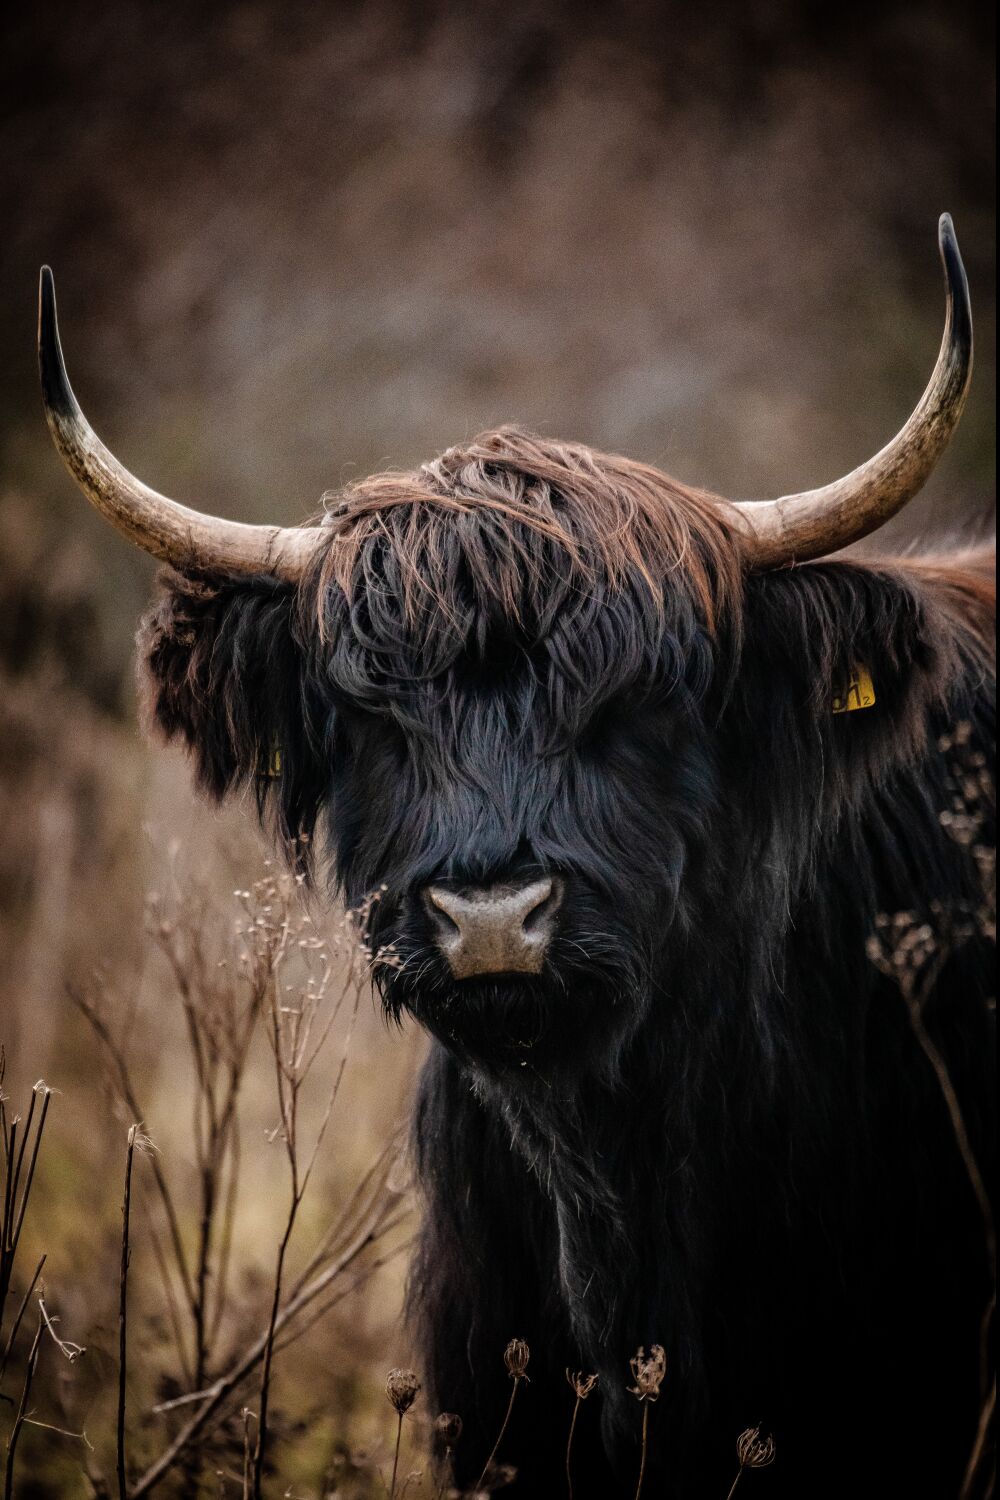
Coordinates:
708 1123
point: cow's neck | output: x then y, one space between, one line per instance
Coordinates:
646 1172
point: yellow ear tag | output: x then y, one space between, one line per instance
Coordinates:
270 766
856 691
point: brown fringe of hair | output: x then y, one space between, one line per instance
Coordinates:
508 503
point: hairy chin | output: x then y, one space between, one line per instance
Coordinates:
547 1022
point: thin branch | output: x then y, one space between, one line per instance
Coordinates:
114 1051
62 1431
20 1314
216 1394
569 1449
25 1136
732 1487
979 1447
937 1062
123 1316
19 1420
65 1346
500 1436
265 1378
33 1160
645 1435
319 1313
169 1296
247 1414
395 1456
228 1223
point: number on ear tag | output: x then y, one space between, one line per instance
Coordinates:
856 691
269 766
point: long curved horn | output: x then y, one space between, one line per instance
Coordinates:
171 532
797 528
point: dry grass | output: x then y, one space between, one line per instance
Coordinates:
274 992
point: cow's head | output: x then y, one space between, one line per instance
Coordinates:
491 682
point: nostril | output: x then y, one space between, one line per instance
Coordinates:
544 909
435 903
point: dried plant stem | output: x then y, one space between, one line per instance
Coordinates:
985 1325
446 1477
19 1420
80 1436
223 1001
296 1332
295 1049
202 1272
217 1394
395 1456
65 1346
569 1448
247 1453
170 1302
732 1487
123 1315
18 1317
33 1160
265 1377
581 1384
19 1146
642 1461
937 1062
928 1046
980 1446
326 1307
114 1051
228 1221
500 1436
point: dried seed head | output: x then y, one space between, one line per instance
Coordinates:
144 1144
401 1387
497 1477
753 1451
447 1431
515 1357
582 1384
648 1373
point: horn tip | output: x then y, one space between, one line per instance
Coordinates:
948 246
46 293
46 298
56 393
960 311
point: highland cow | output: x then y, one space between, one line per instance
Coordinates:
637 771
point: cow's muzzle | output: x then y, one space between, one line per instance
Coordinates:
495 929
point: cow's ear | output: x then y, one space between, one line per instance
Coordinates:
846 669
222 669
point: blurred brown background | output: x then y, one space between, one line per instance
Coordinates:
295 243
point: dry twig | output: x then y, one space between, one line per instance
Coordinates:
647 1372
515 1357
582 1386
21 1418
